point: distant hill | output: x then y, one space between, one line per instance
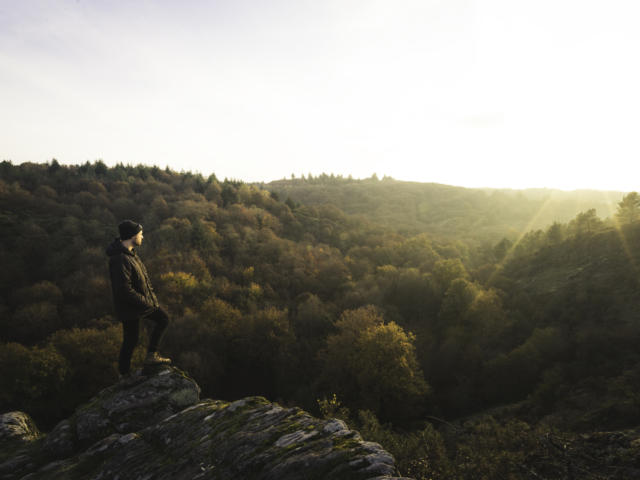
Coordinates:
465 213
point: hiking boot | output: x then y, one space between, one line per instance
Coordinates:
154 359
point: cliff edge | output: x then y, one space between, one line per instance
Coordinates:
155 426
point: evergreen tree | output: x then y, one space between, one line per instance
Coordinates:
629 208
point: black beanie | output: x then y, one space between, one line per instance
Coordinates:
129 229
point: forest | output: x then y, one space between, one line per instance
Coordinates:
472 214
468 331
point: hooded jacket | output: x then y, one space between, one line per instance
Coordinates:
133 295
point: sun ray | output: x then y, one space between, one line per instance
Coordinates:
621 236
523 233
612 206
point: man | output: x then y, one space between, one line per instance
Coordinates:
133 296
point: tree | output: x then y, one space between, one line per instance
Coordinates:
92 355
629 208
32 379
229 194
372 365
501 250
513 375
446 271
455 306
555 233
256 352
177 287
32 322
585 222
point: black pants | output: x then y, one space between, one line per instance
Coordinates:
131 335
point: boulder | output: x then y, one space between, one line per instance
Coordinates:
16 430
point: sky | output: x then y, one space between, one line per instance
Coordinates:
484 93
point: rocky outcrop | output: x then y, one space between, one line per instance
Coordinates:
156 427
17 430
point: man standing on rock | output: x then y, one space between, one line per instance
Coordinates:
133 296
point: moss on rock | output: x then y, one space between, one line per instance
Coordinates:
156 427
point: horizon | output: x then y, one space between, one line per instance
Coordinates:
497 95
380 177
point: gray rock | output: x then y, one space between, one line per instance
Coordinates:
127 406
61 441
18 432
155 426
17 429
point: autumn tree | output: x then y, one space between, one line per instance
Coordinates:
372 365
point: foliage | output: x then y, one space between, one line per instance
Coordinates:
91 354
455 212
629 208
372 364
406 300
32 378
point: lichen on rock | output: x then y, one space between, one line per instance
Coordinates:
17 429
155 426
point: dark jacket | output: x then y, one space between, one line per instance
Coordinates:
132 292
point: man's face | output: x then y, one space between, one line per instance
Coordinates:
137 240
